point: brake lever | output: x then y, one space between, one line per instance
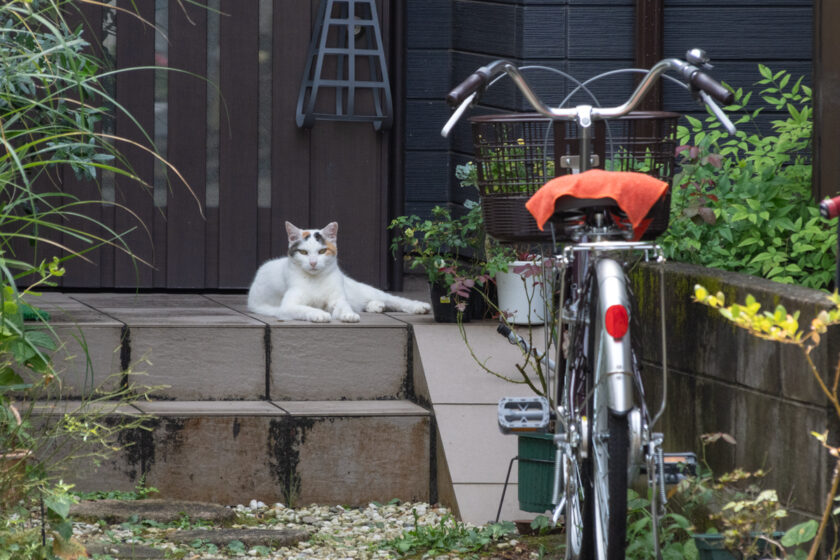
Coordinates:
718 112
456 116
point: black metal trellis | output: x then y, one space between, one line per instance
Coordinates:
346 33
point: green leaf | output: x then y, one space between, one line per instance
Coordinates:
800 534
58 505
765 72
10 377
694 122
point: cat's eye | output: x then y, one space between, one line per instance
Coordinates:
303 251
322 251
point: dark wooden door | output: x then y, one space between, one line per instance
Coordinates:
224 116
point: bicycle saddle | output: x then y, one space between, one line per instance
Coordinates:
633 194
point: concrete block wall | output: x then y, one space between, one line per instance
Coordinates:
721 379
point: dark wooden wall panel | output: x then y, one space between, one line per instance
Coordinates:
613 39
136 91
427 75
427 174
290 165
88 271
543 32
485 27
336 181
239 38
186 148
827 99
740 32
347 168
428 24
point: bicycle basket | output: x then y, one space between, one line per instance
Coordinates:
517 153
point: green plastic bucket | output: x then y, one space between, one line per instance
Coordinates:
536 472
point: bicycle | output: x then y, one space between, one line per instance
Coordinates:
595 400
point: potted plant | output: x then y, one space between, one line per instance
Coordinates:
732 515
449 250
513 266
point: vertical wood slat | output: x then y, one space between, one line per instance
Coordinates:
239 72
187 129
84 273
396 170
650 45
135 91
826 174
290 158
388 147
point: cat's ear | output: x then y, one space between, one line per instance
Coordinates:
330 232
293 232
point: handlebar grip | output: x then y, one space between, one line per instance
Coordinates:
703 81
473 83
830 208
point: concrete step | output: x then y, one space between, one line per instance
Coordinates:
229 452
198 347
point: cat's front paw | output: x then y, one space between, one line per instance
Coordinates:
348 317
375 306
419 308
318 316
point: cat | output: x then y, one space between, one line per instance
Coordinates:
307 285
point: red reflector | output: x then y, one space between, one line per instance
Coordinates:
616 321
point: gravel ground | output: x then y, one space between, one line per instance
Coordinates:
335 532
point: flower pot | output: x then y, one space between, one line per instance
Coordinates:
710 547
521 296
444 307
479 308
536 472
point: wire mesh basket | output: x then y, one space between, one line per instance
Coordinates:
517 153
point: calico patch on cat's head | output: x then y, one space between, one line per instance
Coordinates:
312 249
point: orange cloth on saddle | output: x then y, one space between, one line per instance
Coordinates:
635 193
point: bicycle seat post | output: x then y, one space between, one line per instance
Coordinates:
584 122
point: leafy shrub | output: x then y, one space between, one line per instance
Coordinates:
744 202
52 101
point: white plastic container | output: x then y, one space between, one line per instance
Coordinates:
515 290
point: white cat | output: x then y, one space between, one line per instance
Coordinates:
307 285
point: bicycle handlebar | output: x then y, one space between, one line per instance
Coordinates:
830 208
693 75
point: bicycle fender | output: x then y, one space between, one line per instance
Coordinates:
615 369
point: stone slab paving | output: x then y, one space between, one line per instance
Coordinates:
162 511
168 511
351 408
273 538
209 408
